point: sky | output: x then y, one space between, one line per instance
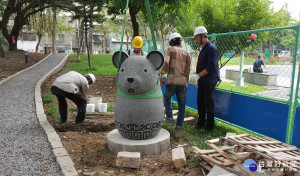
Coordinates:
293 7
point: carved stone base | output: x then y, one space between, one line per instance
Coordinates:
138 132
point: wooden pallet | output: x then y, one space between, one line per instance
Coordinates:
270 149
244 146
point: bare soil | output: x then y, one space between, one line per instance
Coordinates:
14 61
87 143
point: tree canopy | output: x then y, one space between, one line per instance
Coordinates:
168 15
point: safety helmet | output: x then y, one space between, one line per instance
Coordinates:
91 77
137 42
200 30
174 35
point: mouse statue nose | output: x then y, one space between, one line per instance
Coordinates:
130 80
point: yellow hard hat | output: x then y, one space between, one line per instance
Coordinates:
137 42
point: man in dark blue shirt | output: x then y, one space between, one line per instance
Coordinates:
207 76
257 65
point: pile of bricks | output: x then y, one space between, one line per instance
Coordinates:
269 157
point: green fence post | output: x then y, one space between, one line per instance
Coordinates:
291 116
121 45
151 23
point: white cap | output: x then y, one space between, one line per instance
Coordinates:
93 78
200 30
174 35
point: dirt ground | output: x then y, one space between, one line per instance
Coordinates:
14 61
87 143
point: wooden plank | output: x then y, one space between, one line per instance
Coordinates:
205 166
211 160
258 142
297 152
222 139
205 152
213 141
253 138
208 161
282 149
223 160
247 138
203 173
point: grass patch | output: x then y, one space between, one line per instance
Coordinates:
197 138
53 111
101 65
248 88
250 61
111 109
48 98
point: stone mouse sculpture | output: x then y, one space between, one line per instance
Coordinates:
139 105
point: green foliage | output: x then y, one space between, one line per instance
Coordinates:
249 61
41 24
111 109
88 11
229 16
247 88
3 43
53 111
163 13
48 98
102 65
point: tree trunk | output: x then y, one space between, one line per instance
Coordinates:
91 40
86 42
13 37
157 32
104 43
38 43
127 38
135 25
54 30
80 40
1 49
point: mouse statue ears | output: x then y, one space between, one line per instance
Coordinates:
115 58
155 57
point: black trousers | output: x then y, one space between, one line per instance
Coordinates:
206 105
257 70
79 99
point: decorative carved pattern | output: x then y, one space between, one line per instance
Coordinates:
138 132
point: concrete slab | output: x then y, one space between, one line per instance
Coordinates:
218 171
157 145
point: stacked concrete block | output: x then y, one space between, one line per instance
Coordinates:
178 157
128 159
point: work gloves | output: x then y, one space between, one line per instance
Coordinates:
194 79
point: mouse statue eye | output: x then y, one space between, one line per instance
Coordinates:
145 70
122 70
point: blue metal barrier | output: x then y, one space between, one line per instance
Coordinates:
262 116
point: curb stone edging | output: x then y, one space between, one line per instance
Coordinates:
62 157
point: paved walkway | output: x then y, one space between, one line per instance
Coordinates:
24 145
